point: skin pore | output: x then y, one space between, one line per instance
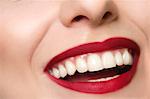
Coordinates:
34 31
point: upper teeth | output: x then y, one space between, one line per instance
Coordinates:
108 56
81 65
92 62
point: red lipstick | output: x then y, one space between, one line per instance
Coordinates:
102 86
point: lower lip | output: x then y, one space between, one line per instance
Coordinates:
103 86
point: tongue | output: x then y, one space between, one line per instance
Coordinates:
84 77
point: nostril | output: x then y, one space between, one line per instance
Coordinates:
79 18
108 16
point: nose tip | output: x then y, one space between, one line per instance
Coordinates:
95 12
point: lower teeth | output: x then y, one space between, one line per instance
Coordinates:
103 79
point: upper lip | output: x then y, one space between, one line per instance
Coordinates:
109 44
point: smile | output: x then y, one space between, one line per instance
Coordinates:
97 67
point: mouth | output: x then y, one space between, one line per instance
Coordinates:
97 67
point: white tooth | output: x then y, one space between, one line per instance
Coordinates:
81 65
94 62
103 79
127 58
62 70
108 60
56 73
109 78
70 67
118 58
97 80
50 71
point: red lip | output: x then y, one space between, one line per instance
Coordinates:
104 86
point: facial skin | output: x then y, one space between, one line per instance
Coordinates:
32 32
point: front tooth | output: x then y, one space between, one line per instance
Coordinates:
81 65
62 70
70 67
118 58
94 62
108 60
127 58
55 73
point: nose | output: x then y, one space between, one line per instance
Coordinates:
95 12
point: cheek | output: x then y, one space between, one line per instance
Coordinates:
138 12
18 42
22 29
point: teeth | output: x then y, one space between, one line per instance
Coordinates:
127 58
50 71
81 65
118 58
103 79
62 70
108 60
56 73
70 67
94 62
